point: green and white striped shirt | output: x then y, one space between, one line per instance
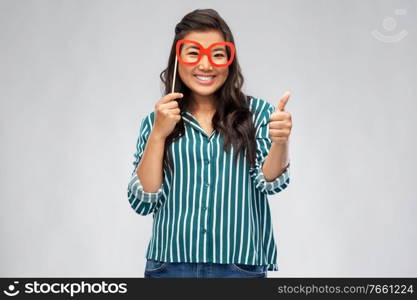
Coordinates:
210 207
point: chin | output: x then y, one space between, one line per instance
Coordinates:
204 91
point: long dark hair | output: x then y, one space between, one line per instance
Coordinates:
233 118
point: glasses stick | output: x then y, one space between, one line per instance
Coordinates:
175 73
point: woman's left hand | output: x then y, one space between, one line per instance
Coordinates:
280 123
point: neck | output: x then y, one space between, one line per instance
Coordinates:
202 104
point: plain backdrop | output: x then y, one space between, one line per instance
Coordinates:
77 77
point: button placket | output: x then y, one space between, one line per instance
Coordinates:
204 207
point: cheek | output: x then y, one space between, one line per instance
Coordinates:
184 72
221 72
224 75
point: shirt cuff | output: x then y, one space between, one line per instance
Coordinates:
136 188
278 183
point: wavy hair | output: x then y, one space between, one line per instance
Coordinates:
233 118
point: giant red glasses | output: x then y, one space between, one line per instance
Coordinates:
220 54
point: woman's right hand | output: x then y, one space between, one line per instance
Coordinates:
167 115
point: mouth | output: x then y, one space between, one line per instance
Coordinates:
204 79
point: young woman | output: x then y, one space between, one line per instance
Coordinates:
205 161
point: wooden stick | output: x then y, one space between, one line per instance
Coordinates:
175 73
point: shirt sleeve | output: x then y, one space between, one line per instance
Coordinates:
142 202
263 145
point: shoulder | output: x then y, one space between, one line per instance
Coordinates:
261 109
147 122
258 106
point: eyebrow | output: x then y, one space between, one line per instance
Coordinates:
193 46
196 47
219 48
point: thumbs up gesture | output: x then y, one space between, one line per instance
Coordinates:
280 122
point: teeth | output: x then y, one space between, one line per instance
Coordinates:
205 78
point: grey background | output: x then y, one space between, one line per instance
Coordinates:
76 78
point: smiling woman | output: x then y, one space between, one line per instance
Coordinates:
199 159
209 89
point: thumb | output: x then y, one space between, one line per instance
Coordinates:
283 101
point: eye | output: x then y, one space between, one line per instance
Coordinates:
219 55
193 53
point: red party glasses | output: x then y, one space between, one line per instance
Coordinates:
220 54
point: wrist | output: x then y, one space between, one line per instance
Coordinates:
280 144
155 136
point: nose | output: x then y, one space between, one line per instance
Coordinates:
204 62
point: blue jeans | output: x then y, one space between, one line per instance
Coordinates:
159 269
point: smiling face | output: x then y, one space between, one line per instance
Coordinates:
212 77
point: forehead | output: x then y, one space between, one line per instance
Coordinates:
205 38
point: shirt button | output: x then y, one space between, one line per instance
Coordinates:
204 208
206 185
204 231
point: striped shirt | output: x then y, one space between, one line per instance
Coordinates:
210 207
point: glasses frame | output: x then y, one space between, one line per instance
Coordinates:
205 51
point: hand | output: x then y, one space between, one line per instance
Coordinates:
167 115
280 123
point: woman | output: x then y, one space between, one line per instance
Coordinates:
205 162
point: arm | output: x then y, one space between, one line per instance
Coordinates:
276 162
150 170
147 189
146 200
280 124
268 154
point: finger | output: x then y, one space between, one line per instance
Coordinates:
174 111
278 125
170 105
283 101
278 133
279 115
171 96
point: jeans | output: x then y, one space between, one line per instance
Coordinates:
159 269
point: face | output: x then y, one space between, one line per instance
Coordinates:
188 74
